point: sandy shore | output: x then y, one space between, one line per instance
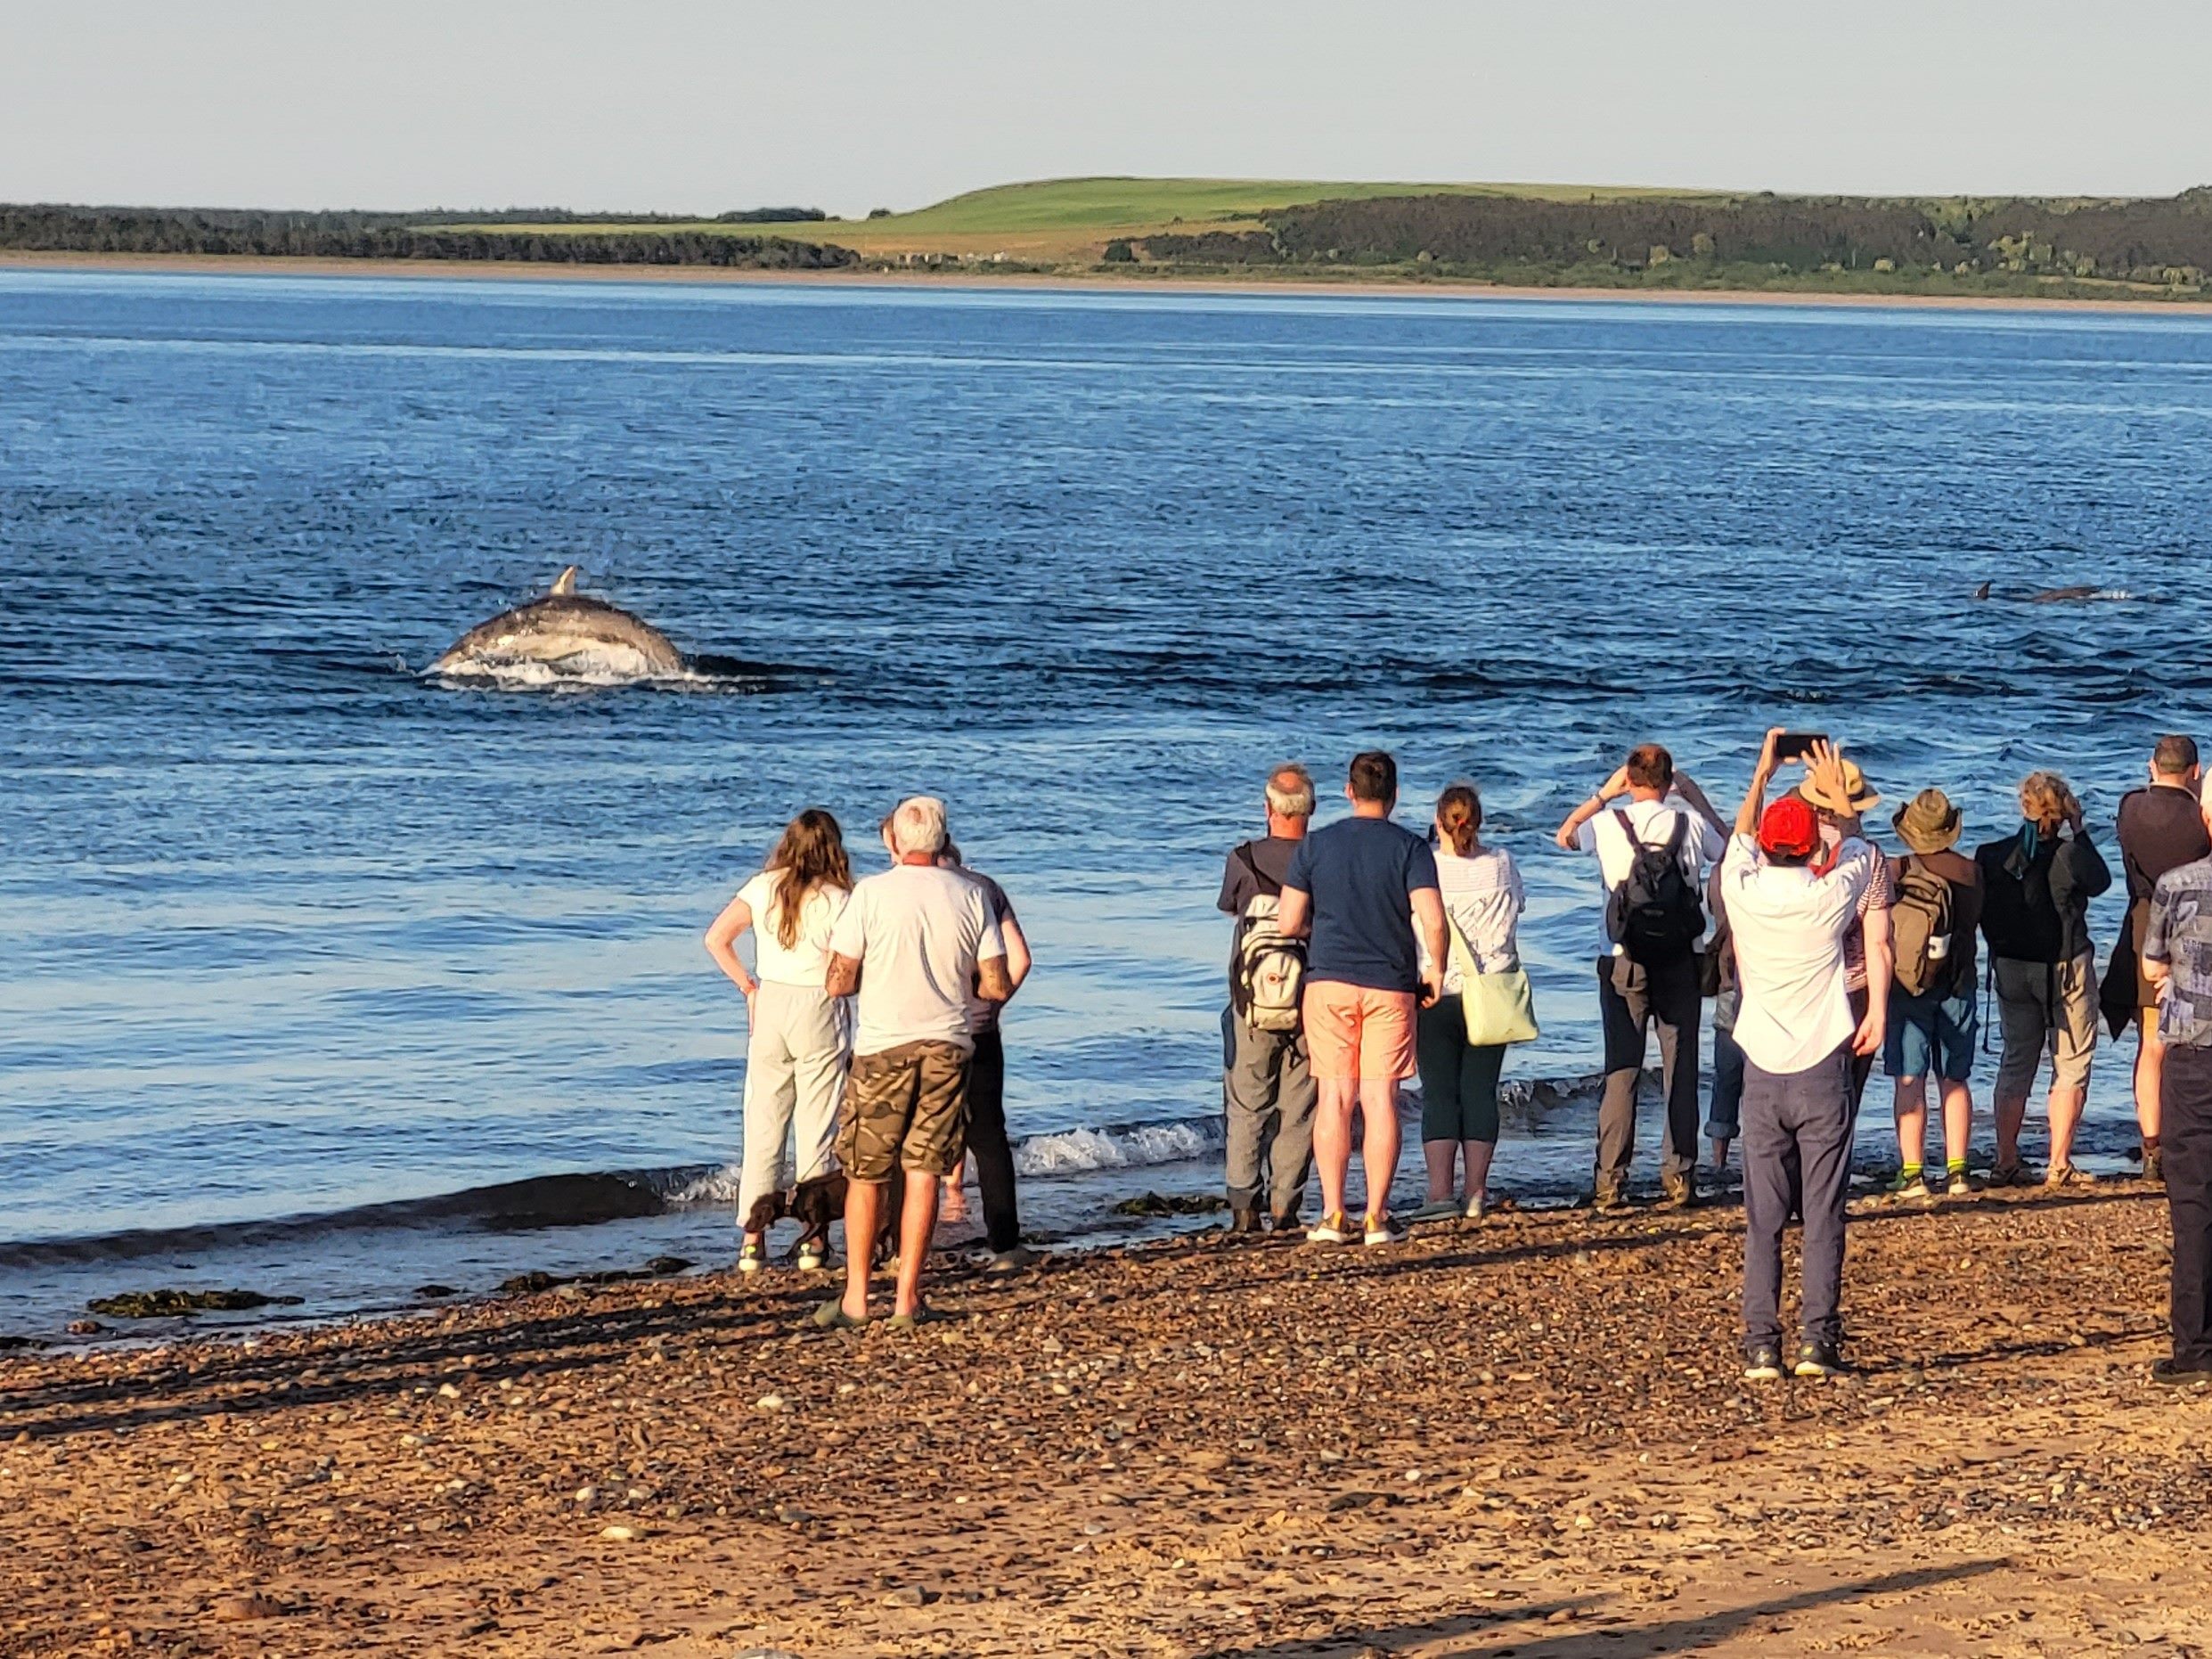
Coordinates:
1527 1437
204 264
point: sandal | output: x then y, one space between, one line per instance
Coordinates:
909 1321
831 1316
2006 1175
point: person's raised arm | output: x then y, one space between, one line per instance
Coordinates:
1428 915
1687 788
1755 798
721 939
1589 809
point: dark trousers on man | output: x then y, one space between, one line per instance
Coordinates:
987 1143
1796 1144
2185 1134
1632 998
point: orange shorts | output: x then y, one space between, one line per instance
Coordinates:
1354 1031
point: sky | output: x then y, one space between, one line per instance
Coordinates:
697 106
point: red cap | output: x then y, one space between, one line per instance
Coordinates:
1789 828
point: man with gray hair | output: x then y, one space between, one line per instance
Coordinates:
909 947
1267 1083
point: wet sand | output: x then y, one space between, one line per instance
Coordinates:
982 276
1527 1437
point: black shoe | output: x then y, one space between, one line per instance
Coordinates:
1762 1364
1242 1221
2154 1166
1288 1221
2173 1374
1818 1359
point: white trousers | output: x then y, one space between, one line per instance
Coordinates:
794 1067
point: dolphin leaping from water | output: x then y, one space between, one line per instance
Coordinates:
566 632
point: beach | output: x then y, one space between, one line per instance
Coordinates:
1527 1436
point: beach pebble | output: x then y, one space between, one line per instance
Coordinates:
447 1391
910 1596
586 1495
769 1403
238 1609
618 1534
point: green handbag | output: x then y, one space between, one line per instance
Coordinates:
1498 1008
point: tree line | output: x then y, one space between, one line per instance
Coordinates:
393 236
2164 240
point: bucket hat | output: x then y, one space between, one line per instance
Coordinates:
1928 822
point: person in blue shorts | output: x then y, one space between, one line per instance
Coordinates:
1933 1024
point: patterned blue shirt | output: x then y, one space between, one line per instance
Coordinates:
2179 934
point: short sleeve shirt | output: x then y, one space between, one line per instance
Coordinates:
918 932
984 1016
2178 933
1271 855
1359 874
1653 823
806 961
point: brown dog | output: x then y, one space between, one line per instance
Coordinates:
817 1202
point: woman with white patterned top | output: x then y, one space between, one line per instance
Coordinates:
1483 901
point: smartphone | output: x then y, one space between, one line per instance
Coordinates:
1797 745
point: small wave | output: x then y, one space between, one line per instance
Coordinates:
611 670
1119 1146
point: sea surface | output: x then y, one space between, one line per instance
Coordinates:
292 930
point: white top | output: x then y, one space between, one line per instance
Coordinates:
1654 821
1788 925
1482 898
806 962
918 932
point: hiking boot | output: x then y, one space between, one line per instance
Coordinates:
1331 1229
1908 1184
1959 1184
1286 1222
1679 1192
2173 1374
1607 1196
1818 1359
1244 1219
1762 1363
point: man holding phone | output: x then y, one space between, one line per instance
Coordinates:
1799 1038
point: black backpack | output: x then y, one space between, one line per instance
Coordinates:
1655 914
2019 917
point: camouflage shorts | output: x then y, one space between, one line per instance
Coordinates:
904 1107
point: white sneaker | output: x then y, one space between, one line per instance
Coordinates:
752 1256
1329 1229
1478 1206
1384 1229
810 1258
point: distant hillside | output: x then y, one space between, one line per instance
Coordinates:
246 232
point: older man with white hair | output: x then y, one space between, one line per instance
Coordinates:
911 945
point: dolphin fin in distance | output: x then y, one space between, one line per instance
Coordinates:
565 583
1981 592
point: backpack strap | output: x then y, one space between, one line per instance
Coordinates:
1681 834
1627 828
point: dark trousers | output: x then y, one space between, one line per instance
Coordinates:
1796 1141
1631 998
2186 1136
987 1143
1862 1064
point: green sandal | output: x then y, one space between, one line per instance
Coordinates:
832 1316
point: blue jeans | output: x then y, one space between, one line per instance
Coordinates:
1723 1118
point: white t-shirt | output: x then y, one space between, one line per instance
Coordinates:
918 932
1483 898
1654 821
1788 925
807 961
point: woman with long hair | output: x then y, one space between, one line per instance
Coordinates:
1483 902
801 1037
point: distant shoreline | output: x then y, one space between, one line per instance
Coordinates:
980 277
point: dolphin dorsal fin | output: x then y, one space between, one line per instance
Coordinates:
566 582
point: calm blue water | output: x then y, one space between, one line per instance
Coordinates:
291 930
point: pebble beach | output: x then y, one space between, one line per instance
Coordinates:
1526 1436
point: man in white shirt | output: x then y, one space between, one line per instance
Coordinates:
1650 979
1797 1037
910 945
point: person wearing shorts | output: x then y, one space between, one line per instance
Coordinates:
1356 891
911 946
1934 1033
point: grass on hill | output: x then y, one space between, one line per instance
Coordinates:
1069 221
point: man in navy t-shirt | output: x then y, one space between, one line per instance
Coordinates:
1356 890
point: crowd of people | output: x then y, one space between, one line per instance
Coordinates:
1365 955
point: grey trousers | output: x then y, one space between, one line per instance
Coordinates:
1630 999
1796 1124
1267 1092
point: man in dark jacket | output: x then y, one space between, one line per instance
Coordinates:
2036 885
2161 829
